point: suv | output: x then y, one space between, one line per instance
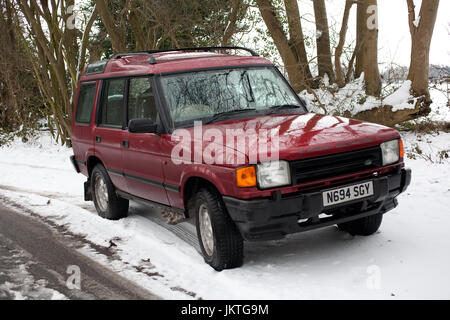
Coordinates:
150 127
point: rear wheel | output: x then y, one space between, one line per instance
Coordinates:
220 241
106 201
363 227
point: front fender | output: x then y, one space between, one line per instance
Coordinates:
221 177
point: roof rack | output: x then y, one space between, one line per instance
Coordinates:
153 60
253 53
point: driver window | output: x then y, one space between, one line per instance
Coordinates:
141 102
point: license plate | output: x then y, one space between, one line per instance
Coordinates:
356 191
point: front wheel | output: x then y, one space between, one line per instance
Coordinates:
106 201
363 227
220 241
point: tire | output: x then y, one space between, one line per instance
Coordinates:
115 207
363 227
225 248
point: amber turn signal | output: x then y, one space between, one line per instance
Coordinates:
401 149
246 177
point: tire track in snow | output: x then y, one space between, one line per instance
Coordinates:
185 230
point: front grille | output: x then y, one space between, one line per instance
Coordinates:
307 170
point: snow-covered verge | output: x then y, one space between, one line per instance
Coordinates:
353 99
407 258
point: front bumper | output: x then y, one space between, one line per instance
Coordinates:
269 219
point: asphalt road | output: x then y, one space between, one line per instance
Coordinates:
37 261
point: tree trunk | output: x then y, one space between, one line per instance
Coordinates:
421 34
116 35
367 46
292 51
385 116
296 40
420 48
325 65
338 53
360 28
236 7
84 43
137 26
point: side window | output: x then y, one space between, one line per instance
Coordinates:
112 102
85 102
141 102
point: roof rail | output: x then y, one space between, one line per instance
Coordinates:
253 53
152 58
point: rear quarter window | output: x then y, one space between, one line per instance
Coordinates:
85 103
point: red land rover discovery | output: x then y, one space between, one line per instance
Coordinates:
133 112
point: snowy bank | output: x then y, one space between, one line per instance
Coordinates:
353 99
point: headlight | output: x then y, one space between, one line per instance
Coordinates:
390 151
273 174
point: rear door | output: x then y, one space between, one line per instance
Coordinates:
108 134
142 151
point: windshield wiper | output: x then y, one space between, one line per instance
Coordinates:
274 109
224 114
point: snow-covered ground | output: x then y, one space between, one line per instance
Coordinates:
408 258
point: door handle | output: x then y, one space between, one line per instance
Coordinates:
98 139
125 143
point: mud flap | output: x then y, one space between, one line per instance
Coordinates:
87 191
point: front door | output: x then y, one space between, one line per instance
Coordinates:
142 160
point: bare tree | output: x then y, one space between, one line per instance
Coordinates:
367 46
360 28
21 104
52 47
324 63
342 36
116 35
291 47
421 29
139 25
238 9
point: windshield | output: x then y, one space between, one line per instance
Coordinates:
202 95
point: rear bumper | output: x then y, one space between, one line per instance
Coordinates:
266 219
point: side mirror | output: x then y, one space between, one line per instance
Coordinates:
142 126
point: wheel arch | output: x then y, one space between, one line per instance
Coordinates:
191 186
91 162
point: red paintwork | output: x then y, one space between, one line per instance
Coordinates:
149 155
144 158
